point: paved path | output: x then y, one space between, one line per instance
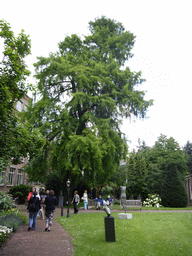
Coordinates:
56 242
29 243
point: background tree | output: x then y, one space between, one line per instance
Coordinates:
16 139
137 171
173 193
159 161
84 90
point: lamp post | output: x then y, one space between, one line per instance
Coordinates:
68 191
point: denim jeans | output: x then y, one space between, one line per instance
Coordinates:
85 205
32 219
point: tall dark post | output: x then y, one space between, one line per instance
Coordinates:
68 192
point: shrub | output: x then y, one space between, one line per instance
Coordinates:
11 219
21 192
4 233
6 203
152 201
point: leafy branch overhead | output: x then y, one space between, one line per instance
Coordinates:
84 90
16 139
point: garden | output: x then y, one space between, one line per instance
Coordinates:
10 218
147 233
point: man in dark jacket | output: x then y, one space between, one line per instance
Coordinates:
34 206
50 202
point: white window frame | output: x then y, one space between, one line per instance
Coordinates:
11 176
19 176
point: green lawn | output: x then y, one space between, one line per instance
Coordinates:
145 234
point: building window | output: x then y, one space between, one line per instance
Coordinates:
2 177
11 176
19 106
19 177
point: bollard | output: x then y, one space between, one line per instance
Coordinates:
62 210
109 229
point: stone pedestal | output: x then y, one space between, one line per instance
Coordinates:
127 216
109 229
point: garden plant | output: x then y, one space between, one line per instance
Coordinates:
152 201
10 218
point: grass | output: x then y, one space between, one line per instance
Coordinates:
147 234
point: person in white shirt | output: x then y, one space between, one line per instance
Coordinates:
85 199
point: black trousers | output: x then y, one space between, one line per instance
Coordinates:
75 208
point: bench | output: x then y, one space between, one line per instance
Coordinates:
91 203
133 203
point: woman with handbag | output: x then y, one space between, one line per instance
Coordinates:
34 206
85 199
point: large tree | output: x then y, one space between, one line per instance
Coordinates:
16 139
84 91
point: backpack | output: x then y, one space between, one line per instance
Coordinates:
32 206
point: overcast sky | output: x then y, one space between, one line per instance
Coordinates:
163 52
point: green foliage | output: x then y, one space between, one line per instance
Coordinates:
158 160
20 191
54 183
137 173
16 139
11 219
173 190
84 90
6 203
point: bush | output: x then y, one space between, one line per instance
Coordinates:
4 233
11 219
6 203
21 192
152 201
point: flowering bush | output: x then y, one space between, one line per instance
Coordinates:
11 219
4 233
152 201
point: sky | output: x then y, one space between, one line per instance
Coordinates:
162 51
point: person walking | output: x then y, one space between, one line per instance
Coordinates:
30 195
85 199
43 196
34 206
75 202
50 202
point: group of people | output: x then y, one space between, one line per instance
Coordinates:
44 201
108 202
76 200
